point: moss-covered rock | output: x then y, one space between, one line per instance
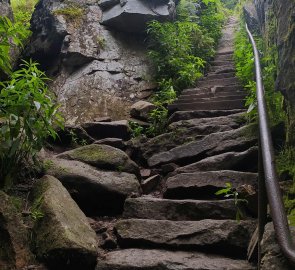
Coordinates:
103 157
63 237
14 248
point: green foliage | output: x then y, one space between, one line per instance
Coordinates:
11 34
229 192
72 12
28 115
22 11
230 4
135 128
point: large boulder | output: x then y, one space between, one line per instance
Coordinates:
272 257
14 240
101 74
133 15
251 17
102 157
62 236
96 192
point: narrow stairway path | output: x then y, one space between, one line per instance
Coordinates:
182 224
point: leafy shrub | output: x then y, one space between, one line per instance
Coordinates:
12 34
27 114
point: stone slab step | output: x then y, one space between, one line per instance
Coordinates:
212 105
219 76
219 95
245 161
212 98
213 144
190 210
152 259
224 52
218 82
186 115
233 121
203 185
224 57
221 63
227 237
222 69
216 89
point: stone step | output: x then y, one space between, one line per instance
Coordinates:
221 63
224 52
233 121
219 95
219 76
218 82
187 115
213 144
222 69
203 185
216 89
212 98
212 105
224 57
152 259
245 161
189 210
227 237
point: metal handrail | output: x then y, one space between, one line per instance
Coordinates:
269 175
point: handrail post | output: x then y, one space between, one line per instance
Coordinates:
262 202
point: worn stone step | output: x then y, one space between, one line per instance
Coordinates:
227 237
215 89
221 63
186 115
232 121
222 69
224 52
213 75
209 99
218 82
212 105
153 259
213 144
203 185
219 95
162 209
224 57
245 161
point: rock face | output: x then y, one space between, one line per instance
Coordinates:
280 13
133 15
5 9
272 258
96 192
14 241
62 237
97 72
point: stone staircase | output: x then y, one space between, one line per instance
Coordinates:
183 225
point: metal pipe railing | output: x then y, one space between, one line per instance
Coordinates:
268 175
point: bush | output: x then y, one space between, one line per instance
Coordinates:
28 115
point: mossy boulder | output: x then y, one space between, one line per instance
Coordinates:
14 238
103 157
63 238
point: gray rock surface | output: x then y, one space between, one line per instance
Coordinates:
251 17
96 192
14 242
205 184
102 157
161 209
5 9
62 236
216 143
272 257
224 236
141 109
133 15
97 72
148 259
